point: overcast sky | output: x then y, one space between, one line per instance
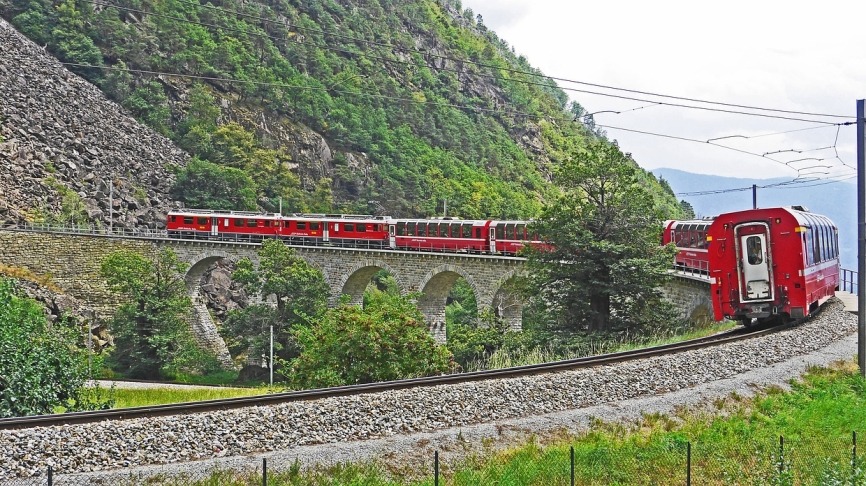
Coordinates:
791 55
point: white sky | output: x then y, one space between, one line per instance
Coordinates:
795 55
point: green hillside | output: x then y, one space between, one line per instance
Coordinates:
378 107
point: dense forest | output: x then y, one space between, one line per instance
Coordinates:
375 107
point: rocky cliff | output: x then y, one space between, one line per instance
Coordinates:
63 145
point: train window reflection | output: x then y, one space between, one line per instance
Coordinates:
754 250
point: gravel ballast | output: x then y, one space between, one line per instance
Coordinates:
417 421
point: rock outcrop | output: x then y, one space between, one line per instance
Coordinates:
63 143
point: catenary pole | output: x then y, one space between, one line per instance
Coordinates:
861 236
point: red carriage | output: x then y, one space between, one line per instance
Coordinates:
772 263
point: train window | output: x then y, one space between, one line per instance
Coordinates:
401 228
267 223
825 232
467 230
302 225
187 220
754 250
202 220
348 227
410 229
478 232
237 222
252 223
172 218
455 230
443 230
422 229
815 250
432 229
361 228
500 232
521 231
315 226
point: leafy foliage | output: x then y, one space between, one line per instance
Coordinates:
385 340
202 184
151 334
40 366
605 266
298 288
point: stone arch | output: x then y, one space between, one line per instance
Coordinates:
435 287
506 303
355 279
200 262
201 321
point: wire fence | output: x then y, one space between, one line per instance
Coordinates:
799 460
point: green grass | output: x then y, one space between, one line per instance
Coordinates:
733 441
506 358
124 398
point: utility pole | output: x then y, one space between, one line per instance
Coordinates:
111 205
271 380
754 196
861 236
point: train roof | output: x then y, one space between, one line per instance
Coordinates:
801 215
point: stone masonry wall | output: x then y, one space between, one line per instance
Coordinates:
691 297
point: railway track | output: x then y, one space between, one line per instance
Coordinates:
275 398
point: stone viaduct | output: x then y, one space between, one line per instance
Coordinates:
72 260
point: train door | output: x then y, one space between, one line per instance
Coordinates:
392 236
492 239
755 276
326 234
214 226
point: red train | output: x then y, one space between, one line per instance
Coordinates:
771 263
357 231
690 238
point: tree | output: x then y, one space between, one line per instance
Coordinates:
151 334
687 209
202 184
605 265
298 288
40 366
385 340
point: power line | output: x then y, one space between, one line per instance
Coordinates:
709 142
792 184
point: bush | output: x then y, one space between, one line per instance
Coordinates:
41 368
386 340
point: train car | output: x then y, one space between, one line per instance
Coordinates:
204 224
690 238
440 234
772 263
357 231
509 237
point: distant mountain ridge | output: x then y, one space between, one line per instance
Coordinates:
838 201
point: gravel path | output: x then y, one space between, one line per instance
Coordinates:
405 426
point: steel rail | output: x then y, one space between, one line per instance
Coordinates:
316 394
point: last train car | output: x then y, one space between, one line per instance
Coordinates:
772 263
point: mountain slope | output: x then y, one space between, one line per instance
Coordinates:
372 106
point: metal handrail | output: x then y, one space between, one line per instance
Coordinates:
848 281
